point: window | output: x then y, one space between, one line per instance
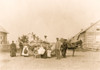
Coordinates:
98 28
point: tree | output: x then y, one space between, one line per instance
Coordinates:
24 38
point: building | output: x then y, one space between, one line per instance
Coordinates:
90 36
3 36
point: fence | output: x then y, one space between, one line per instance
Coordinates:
5 48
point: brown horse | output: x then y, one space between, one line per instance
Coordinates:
73 46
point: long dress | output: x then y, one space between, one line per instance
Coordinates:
49 51
13 50
45 53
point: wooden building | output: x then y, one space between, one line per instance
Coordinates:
3 37
90 36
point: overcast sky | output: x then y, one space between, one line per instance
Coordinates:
54 18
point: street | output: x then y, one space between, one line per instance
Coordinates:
81 61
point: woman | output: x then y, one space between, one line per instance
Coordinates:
49 51
13 49
45 53
25 51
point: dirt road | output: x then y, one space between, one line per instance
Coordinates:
81 61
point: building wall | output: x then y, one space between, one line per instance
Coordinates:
3 38
92 37
89 39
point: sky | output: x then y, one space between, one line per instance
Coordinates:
54 18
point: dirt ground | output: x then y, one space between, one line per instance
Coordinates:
81 61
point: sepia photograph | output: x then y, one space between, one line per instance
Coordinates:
49 34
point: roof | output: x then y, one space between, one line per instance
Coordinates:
3 30
76 35
90 26
83 31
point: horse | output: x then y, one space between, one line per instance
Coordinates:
71 46
74 45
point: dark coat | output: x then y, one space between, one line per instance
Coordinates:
21 45
64 46
13 50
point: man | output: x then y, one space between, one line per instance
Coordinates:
13 49
64 47
57 48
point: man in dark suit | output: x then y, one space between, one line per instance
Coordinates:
64 47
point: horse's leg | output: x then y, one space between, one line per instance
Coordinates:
73 52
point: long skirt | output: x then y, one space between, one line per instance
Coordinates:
49 53
44 55
12 53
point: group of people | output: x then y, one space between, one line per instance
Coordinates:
44 50
23 49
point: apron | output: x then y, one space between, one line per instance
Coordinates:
49 53
25 51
